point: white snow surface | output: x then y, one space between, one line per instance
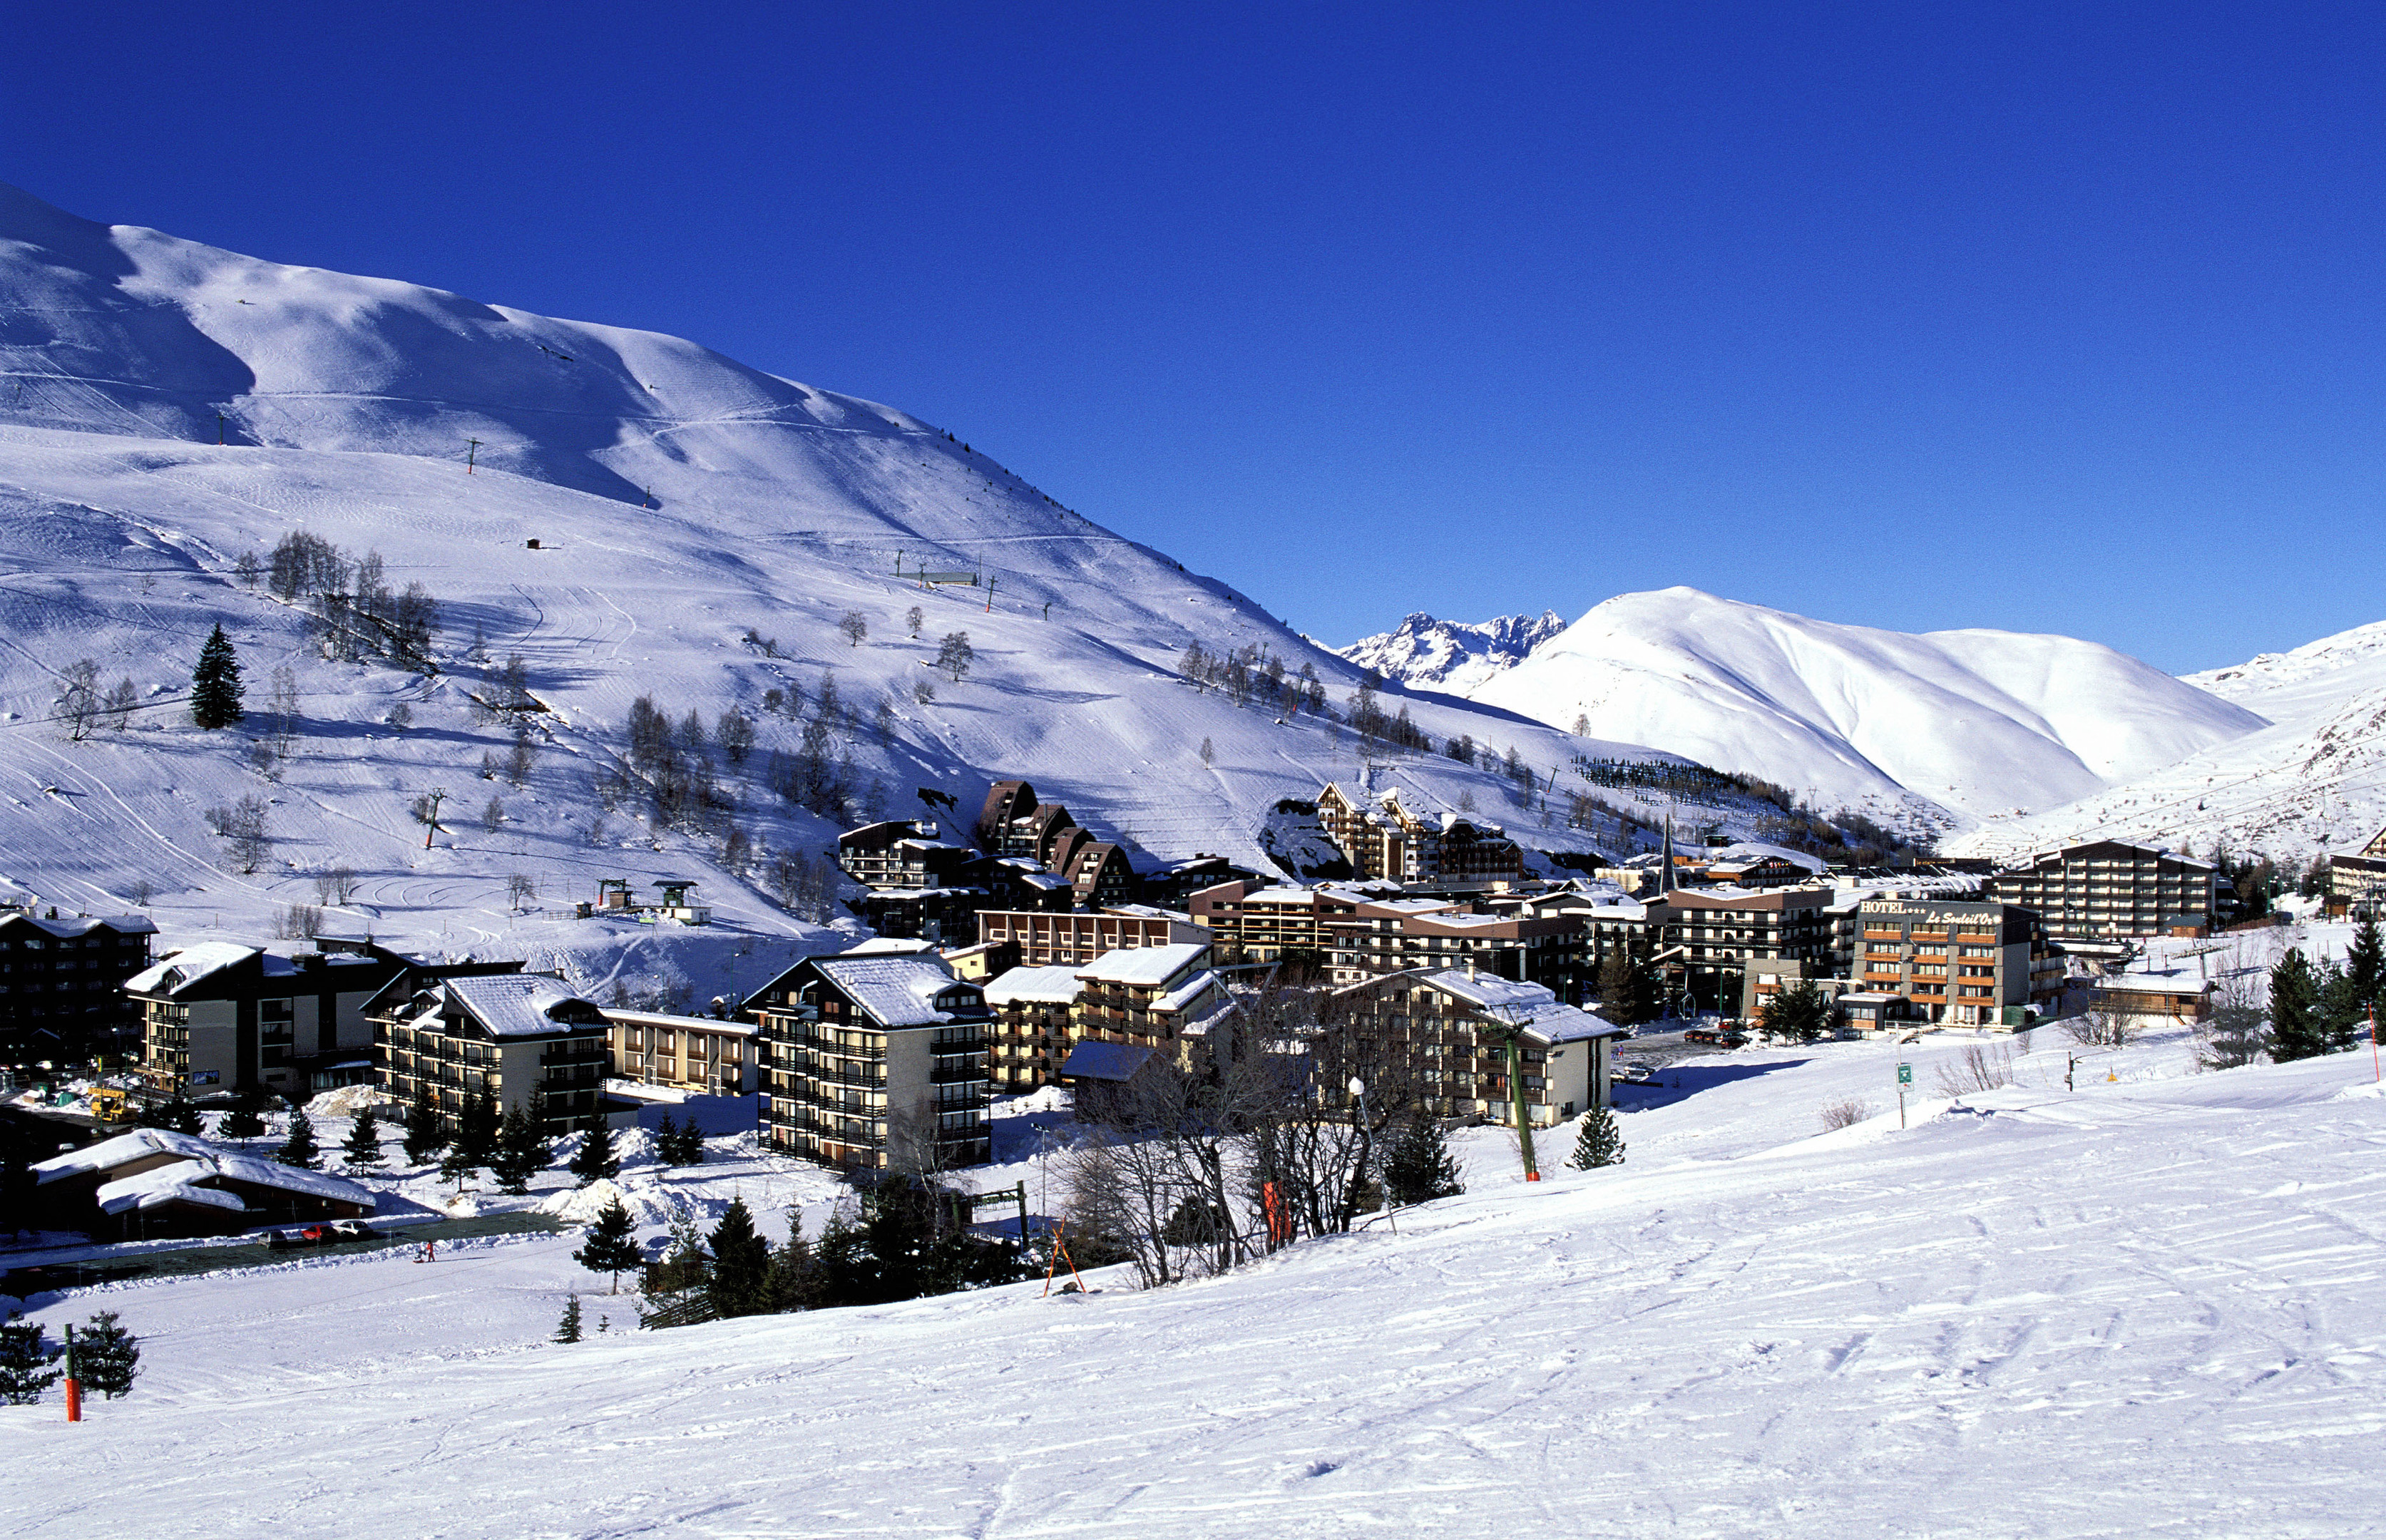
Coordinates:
1961 724
2313 782
679 498
1452 656
2143 1307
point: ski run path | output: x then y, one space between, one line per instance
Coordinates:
2150 1306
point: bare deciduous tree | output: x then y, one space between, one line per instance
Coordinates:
855 627
914 618
79 703
1976 1070
243 827
2100 1028
335 885
1845 1113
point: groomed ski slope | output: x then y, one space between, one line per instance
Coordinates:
2147 1307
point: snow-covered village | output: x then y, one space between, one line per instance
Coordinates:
595 941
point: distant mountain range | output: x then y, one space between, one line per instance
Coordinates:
2005 742
1450 655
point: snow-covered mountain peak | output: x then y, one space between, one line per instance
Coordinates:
1984 723
1452 655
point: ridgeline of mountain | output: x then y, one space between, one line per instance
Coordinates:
629 515
1450 655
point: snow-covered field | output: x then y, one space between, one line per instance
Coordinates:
2147 1306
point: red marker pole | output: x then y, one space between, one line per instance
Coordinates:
74 1381
2373 1073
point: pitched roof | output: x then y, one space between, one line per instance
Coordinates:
1056 986
895 992
122 1150
1116 1062
1530 1005
188 965
1144 965
516 1005
124 924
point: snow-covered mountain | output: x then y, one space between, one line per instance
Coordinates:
2313 781
1975 723
1452 655
701 530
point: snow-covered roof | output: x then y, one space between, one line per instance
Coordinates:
1037 985
677 1023
127 924
164 1185
1144 965
1108 1061
1530 1005
122 1150
895 992
2179 982
889 946
180 970
516 1005
1869 997
1186 993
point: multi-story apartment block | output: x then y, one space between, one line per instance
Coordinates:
2358 882
1028 1036
700 1054
877 1062
62 984
1150 997
1399 935
1970 964
1047 940
1381 838
1719 926
523 1040
2106 891
224 1017
1258 922
903 853
1442 1036
1636 927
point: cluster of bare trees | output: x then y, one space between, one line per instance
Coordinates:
242 826
355 613
1252 674
1189 1174
84 707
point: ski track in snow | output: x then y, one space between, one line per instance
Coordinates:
2142 1308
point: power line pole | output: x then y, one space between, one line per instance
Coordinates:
472 454
438 795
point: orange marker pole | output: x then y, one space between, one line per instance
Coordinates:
74 1382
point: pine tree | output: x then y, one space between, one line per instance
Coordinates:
794 1286
246 1120
2365 971
567 1330
425 1134
299 1149
361 1151
740 1283
523 1149
1601 1144
458 1166
594 1160
612 1244
1419 1168
183 1116
1798 1011
215 683
476 1131
2296 1029
25 1362
679 1144
107 1357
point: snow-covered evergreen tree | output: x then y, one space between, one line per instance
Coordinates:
1601 1143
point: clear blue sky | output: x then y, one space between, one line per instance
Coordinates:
2058 318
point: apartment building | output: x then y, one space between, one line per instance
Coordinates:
2109 892
2358 882
1970 964
903 853
1442 1036
525 1041
1383 839
698 1054
875 1061
223 1017
1029 1034
1049 940
1152 997
62 984
1401 934
1257 922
